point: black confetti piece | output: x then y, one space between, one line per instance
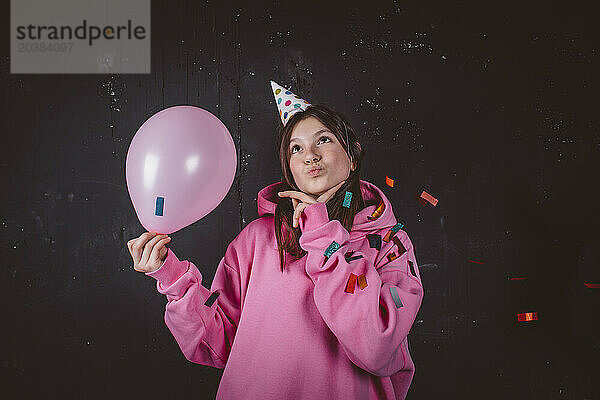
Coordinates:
412 268
209 302
374 241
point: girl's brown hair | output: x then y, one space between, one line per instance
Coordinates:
288 237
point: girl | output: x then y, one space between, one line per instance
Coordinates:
314 299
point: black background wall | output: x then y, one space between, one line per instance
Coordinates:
489 106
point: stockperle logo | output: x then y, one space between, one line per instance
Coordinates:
94 36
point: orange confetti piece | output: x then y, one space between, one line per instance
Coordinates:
362 281
530 316
351 283
392 256
388 235
389 181
429 198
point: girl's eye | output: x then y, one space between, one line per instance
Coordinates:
322 137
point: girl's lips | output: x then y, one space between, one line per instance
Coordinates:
314 172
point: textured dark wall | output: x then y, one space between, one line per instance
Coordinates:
491 108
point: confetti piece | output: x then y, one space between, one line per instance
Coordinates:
412 268
351 283
389 235
476 262
392 256
209 302
517 279
401 249
389 181
377 213
429 198
160 202
362 281
347 199
530 316
593 285
396 297
397 227
332 248
349 256
374 241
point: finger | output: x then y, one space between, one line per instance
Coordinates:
138 246
159 249
130 243
148 248
298 213
298 195
130 248
295 203
294 217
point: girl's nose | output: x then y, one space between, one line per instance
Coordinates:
311 156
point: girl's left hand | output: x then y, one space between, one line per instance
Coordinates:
301 200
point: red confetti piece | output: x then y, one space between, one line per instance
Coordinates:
517 279
389 181
593 285
476 262
530 316
429 198
351 283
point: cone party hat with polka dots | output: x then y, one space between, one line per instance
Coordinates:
287 102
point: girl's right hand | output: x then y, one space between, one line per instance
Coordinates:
148 251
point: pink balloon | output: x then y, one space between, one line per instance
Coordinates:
180 166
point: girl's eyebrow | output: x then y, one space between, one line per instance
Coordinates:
314 134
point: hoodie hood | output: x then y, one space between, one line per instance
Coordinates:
267 201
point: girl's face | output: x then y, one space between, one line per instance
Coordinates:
313 145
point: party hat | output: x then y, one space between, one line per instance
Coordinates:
287 102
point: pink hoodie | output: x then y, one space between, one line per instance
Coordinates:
300 334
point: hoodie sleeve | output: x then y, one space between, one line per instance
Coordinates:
202 321
373 322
